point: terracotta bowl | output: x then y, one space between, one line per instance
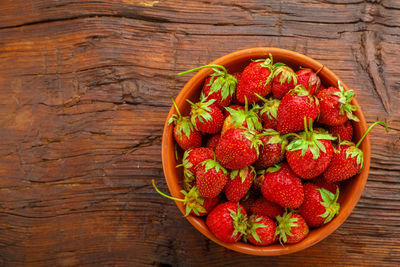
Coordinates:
350 190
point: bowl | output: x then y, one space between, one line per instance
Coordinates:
350 190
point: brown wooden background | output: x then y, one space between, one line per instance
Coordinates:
85 87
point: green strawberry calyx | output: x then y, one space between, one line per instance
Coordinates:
238 117
285 224
193 201
201 111
309 140
270 107
275 168
254 139
300 90
269 63
188 175
183 124
213 164
329 201
287 74
253 225
240 222
276 138
345 98
243 173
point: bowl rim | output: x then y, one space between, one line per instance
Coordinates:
266 250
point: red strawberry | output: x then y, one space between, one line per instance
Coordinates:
273 149
191 159
239 183
348 159
309 79
269 113
185 134
194 203
310 152
319 89
240 118
235 107
261 230
343 131
219 85
292 228
255 79
319 205
282 186
266 208
228 222
211 178
237 75
212 142
248 201
206 117
284 80
320 181
335 107
237 148
294 106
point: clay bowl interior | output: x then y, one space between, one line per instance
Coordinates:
350 190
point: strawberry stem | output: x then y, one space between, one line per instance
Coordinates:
164 195
191 103
203 67
260 97
369 129
176 107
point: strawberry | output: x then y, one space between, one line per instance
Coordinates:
294 106
194 203
284 80
237 148
219 86
266 208
319 205
347 159
228 222
282 186
235 107
261 231
239 183
321 182
319 89
211 178
191 159
237 75
310 152
343 132
206 117
309 79
335 107
292 228
240 118
212 142
248 201
268 113
273 149
184 133
256 79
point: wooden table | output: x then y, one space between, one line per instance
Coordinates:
86 87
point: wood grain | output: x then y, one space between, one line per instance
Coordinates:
85 89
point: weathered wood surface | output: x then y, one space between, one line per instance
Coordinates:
85 88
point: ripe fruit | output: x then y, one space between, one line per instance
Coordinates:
219 85
319 205
228 222
335 107
310 152
194 203
282 186
239 183
184 133
284 80
266 208
211 178
273 149
343 132
294 106
191 159
237 148
320 181
242 118
269 113
292 228
261 230
212 142
255 79
206 117
347 159
309 79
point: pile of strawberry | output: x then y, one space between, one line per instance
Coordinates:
271 145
